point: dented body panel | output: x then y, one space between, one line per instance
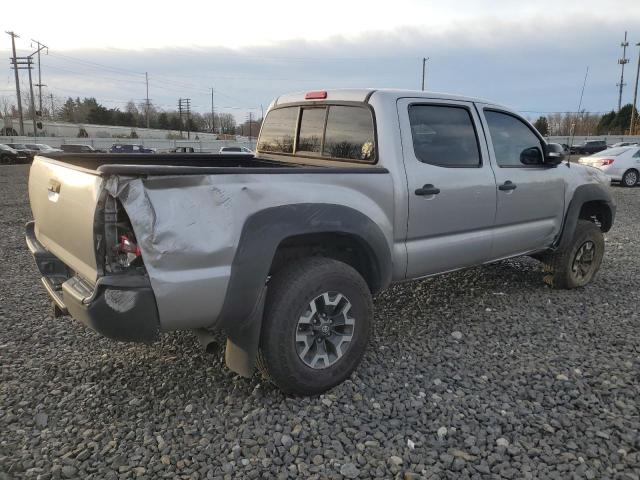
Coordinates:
189 227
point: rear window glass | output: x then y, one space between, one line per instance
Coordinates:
349 134
444 136
279 130
311 129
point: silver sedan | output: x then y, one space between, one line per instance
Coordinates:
620 164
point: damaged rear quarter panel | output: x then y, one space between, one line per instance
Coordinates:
188 227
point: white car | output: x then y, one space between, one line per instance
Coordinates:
236 150
620 164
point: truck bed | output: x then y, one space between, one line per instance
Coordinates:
197 163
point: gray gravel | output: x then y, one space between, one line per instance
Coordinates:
485 373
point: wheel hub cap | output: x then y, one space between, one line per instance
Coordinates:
325 330
583 260
631 178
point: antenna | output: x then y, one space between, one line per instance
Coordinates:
573 129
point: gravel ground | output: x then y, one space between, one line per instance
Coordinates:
485 373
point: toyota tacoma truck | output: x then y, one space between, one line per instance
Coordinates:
348 192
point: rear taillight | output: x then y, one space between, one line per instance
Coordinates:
128 246
128 251
607 161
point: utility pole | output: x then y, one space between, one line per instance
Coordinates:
33 107
634 110
39 84
52 114
15 70
180 115
213 116
184 109
146 79
22 63
424 68
250 122
622 61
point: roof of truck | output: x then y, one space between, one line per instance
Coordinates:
363 94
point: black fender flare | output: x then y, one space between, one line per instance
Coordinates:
582 195
262 233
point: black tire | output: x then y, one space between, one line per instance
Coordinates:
290 292
630 178
5 160
564 268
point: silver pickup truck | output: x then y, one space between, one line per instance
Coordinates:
348 192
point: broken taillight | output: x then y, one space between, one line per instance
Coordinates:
128 251
128 246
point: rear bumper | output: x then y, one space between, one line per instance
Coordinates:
120 307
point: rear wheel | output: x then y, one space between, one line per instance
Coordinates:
317 323
577 264
630 178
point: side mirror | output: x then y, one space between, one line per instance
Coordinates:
553 158
531 156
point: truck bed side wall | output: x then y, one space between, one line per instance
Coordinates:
188 227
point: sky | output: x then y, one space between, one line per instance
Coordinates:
530 55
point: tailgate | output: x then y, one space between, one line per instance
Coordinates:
63 201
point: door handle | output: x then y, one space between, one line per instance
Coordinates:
428 189
508 185
54 186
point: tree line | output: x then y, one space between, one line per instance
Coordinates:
585 123
89 110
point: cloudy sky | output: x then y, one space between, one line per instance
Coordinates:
529 55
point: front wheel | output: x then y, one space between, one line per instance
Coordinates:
317 324
630 178
577 264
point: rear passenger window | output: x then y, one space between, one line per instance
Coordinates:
279 130
311 128
349 134
444 136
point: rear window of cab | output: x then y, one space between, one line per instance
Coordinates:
332 132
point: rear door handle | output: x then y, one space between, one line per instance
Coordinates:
508 185
428 189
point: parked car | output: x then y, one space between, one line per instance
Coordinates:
236 150
78 148
123 148
21 147
10 155
620 164
589 147
178 150
349 192
42 148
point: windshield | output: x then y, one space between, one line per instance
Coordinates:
5 147
613 152
19 146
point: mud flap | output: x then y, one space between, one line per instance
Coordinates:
242 343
